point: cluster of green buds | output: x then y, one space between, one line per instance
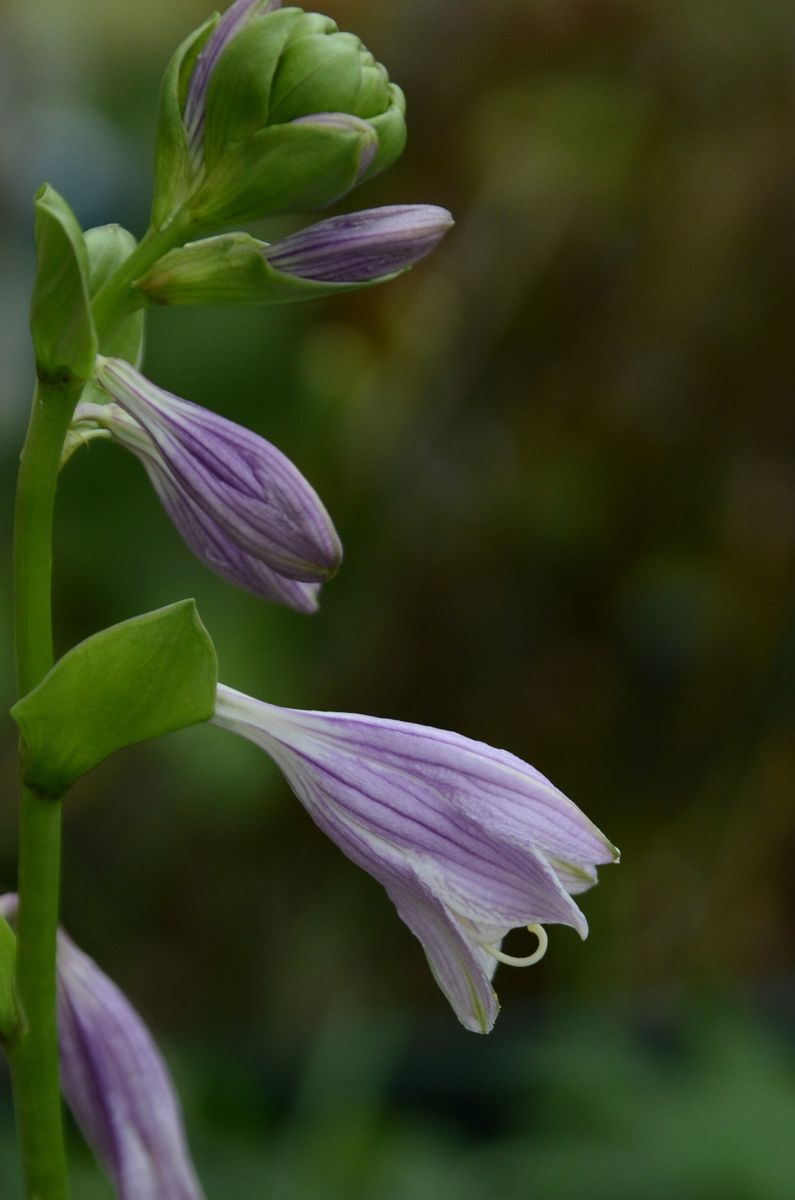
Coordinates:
270 110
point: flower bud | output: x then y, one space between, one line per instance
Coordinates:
240 504
338 255
116 1082
270 110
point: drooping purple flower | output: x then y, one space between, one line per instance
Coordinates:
361 246
117 1084
235 492
211 544
468 841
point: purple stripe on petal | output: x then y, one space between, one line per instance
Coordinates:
233 20
210 542
217 551
118 1087
247 486
116 1082
462 836
361 246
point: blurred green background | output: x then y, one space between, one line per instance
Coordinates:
560 456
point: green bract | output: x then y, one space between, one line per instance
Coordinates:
133 681
231 269
108 247
60 316
278 112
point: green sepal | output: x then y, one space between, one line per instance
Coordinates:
10 1017
232 269
391 129
282 169
60 316
174 174
145 677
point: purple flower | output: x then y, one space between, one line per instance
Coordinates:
468 841
240 504
362 246
116 1083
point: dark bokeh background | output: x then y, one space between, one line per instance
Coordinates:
560 457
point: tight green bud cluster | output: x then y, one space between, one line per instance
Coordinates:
270 110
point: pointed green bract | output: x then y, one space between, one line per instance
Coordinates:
60 316
145 677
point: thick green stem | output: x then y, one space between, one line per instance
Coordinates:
34 1055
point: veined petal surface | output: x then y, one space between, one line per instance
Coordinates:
470 842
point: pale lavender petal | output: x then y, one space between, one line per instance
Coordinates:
362 246
462 969
117 1085
377 814
116 1082
227 28
458 833
248 487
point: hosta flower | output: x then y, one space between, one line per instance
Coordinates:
116 1083
270 110
240 504
350 251
468 841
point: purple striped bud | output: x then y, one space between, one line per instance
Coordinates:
252 495
469 842
117 1084
362 246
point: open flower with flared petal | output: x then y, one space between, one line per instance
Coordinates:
116 1082
240 504
468 841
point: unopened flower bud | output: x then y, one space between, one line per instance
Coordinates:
116 1082
341 254
362 247
270 110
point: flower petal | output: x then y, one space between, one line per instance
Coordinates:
247 486
383 780
361 246
116 1082
117 1085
